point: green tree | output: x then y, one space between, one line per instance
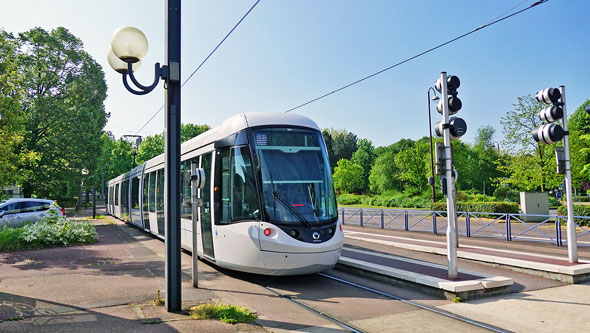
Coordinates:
64 90
384 173
348 177
519 143
412 164
342 144
484 161
155 145
579 128
12 128
365 157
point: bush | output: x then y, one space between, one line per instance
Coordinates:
11 239
579 210
48 232
581 198
483 207
554 202
349 199
507 194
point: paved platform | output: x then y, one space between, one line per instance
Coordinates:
422 275
546 265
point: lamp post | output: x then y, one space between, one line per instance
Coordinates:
128 47
434 98
135 141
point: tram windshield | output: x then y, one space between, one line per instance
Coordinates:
296 181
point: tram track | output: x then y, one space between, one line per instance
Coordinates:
418 305
345 325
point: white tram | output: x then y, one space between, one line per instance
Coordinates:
268 203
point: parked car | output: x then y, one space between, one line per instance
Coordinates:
16 212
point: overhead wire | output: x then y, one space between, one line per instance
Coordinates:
203 62
418 55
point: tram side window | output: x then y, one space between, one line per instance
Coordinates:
152 192
145 197
186 187
117 195
236 186
135 193
125 201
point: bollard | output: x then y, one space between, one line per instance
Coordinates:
406 228
382 222
558 240
342 210
508 230
468 225
361 217
434 227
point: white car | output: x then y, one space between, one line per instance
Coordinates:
16 212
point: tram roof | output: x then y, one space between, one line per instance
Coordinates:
237 123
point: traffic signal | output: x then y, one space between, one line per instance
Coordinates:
455 104
457 126
549 132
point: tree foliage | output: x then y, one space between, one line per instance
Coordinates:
518 141
155 145
60 91
340 144
348 177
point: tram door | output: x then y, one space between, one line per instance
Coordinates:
205 211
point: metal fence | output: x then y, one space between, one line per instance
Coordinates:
522 227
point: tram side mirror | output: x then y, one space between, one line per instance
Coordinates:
197 176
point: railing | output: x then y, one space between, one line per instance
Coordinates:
522 227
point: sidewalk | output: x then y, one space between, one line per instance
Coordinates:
536 304
108 287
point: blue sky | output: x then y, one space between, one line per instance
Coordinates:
288 52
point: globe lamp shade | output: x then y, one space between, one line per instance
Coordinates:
118 64
129 44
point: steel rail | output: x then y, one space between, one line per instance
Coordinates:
334 320
418 305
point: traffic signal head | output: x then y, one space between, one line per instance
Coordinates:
453 83
457 127
548 96
455 105
551 114
548 133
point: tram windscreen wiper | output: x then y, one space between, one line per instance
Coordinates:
292 210
277 197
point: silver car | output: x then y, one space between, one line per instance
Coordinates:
16 212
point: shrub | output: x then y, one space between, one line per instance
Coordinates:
11 239
349 199
48 232
507 194
483 207
554 202
581 198
579 210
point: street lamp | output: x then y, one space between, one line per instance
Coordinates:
128 46
431 180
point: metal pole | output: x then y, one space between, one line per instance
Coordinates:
451 211
195 226
172 157
572 238
93 203
431 153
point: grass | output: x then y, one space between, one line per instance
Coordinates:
229 314
377 207
159 301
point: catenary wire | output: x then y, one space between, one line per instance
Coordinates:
202 63
416 56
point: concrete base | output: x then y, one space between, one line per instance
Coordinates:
476 286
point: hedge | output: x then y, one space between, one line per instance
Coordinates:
579 210
480 207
